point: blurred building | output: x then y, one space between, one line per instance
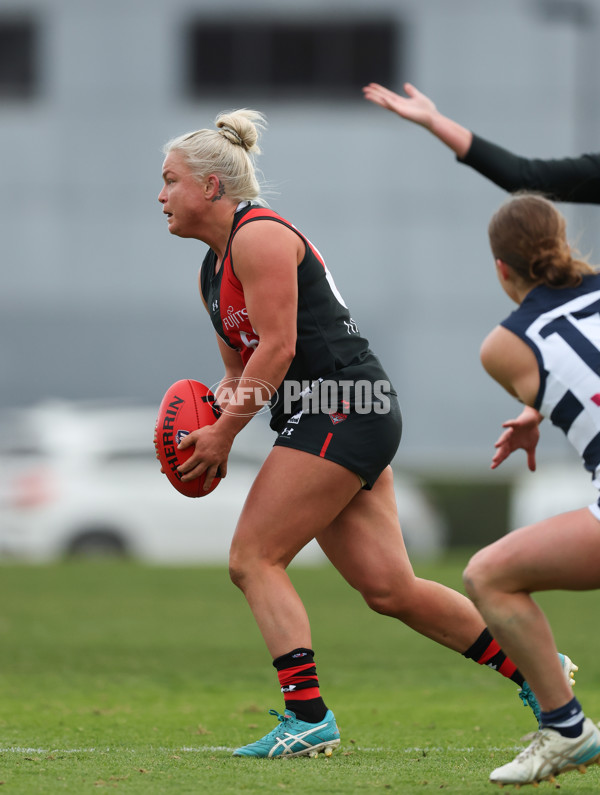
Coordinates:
97 300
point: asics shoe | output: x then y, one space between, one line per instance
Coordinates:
550 754
293 737
526 693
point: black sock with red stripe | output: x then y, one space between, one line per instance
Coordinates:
486 651
300 685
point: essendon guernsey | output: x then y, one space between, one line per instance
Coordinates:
329 344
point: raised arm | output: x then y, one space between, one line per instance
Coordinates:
569 179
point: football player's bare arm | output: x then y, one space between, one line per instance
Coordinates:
266 256
512 363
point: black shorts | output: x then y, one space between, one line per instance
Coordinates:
363 443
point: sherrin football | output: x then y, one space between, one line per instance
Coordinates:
186 406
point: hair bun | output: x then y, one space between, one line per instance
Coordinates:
241 128
231 135
552 263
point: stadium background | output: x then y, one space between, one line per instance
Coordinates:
98 301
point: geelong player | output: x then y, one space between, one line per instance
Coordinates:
547 355
280 322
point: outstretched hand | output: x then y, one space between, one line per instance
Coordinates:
522 433
415 107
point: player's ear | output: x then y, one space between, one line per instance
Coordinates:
213 188
503 270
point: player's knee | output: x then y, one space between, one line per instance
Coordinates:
376 601
385 601
247 566
238 568
477 576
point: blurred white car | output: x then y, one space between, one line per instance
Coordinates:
82 479
550 490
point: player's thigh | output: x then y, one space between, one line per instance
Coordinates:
313 472
364 542
294 496
562 552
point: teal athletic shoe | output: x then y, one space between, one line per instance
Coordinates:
526 693
293 737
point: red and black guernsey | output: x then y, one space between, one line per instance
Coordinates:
329 344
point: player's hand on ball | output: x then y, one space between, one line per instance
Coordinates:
211 451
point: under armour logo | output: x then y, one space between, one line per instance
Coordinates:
215 305
287 431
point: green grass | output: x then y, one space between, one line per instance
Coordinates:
141 680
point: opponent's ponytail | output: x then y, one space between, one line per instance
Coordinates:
529 234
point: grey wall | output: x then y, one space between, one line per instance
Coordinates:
97 300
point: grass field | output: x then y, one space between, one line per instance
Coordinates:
142 680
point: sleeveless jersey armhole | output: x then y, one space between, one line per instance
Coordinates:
247 220
205 275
